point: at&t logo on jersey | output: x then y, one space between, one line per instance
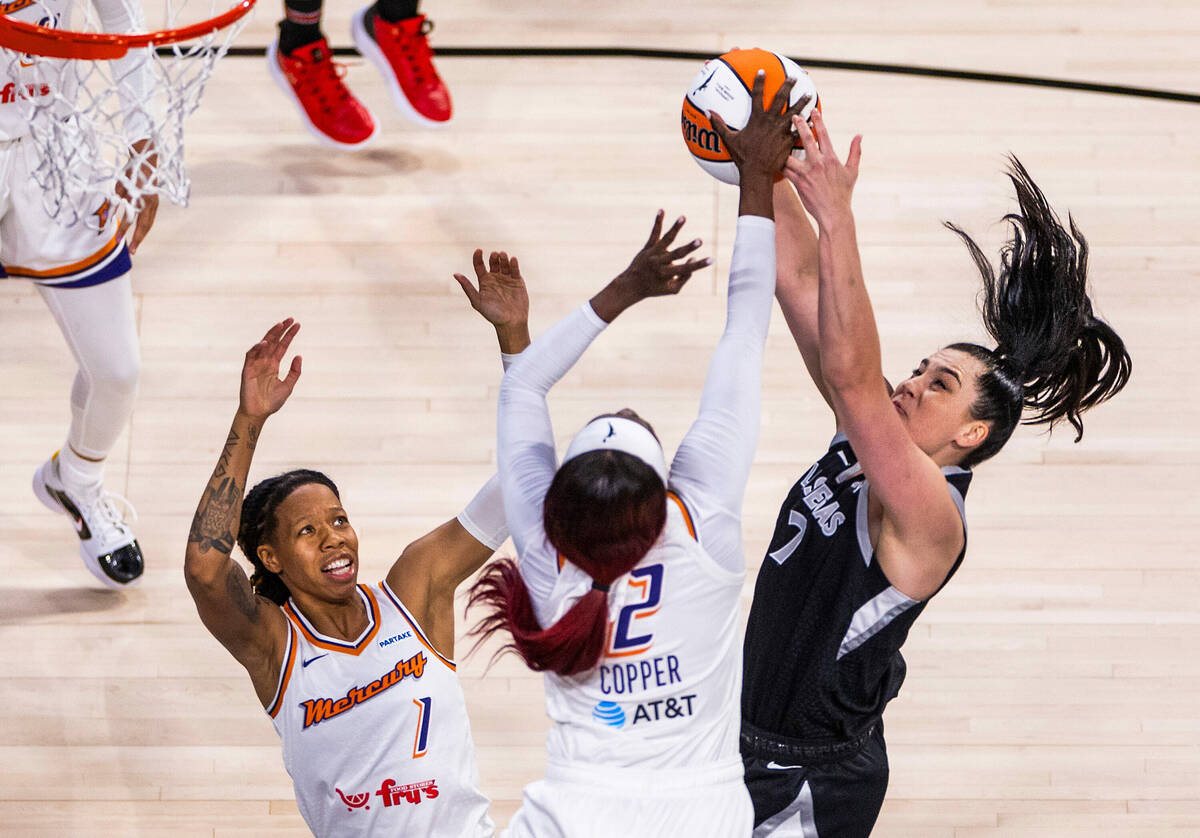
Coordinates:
318 710
612 714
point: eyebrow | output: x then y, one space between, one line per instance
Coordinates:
943 368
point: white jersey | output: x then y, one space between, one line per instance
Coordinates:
666 692
375 731
39 77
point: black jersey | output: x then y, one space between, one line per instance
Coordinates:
822 650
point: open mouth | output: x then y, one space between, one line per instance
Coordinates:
340 569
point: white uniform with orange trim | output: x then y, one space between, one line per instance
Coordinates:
646 743
375 733
32 245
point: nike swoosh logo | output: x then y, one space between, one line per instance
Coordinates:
777 767
312 660
81 527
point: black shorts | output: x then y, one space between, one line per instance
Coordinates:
839 798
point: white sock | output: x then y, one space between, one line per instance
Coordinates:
78 472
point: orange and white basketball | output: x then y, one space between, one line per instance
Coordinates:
724 85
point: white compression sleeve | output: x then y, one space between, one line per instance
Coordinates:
712 464
484 518
525 443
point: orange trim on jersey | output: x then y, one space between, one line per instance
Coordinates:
334 645
687 516
277 702
74 267
562 562
418 751
420 635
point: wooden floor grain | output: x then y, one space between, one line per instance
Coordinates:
1053 688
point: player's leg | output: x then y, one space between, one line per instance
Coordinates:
394 36
302 64
99 326
839 799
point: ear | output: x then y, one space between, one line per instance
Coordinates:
266 555
971 435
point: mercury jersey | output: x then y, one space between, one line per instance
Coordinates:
664 695
13 112
375 731
822 651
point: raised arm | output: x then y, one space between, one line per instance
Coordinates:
796 279
430 569
525 437
712 464
921 531
251 627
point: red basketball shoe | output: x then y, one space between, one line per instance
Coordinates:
313 80
402 54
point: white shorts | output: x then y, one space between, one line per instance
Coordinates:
610 803
35 246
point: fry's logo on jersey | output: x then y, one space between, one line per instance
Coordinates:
9 94
391 794
322 709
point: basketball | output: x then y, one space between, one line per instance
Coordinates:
723 85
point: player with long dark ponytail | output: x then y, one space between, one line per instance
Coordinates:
627 585
876 526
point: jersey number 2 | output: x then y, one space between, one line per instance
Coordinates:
625 641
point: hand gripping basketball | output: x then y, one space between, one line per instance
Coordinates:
763 146
824 183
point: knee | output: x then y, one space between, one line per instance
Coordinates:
117 375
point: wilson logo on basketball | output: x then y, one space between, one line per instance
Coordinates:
322 709
699 136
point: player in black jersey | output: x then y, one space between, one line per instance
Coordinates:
875 527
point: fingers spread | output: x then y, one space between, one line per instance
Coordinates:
855 155
822 131
779 103
680 252
477 261
670 235
757 94
516 269
468 288
800 105
718 124
503 262
494 262
656 230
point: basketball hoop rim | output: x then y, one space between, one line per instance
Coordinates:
22 37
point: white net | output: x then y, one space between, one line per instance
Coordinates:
111 128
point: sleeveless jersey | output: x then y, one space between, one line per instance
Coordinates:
822 650
664 696
375 732
51 13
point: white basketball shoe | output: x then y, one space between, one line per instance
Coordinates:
106 544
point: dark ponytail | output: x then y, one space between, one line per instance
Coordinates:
603 512
258 525
1053 356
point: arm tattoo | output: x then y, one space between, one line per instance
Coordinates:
213 525
238 588
252 433
223 460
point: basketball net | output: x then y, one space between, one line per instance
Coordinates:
107 122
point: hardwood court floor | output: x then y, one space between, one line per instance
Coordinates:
1054 687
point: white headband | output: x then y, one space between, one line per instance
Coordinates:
618 434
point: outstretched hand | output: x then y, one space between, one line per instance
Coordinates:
824 183
263 392
501 297
763 146
654 272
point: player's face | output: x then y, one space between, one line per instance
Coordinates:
935 405
314 544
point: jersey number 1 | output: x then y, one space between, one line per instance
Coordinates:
421 743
